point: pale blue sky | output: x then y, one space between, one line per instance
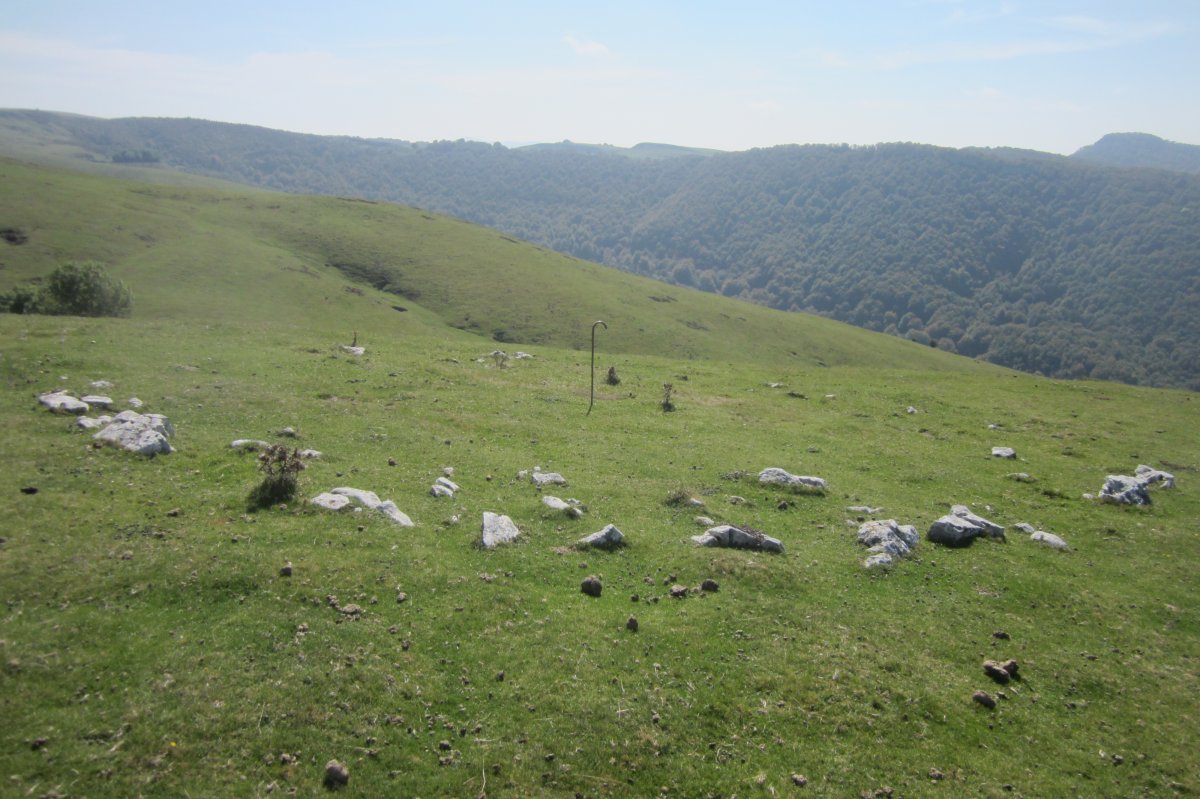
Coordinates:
1052 75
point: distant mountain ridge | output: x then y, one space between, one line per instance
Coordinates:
1039 262
1142 150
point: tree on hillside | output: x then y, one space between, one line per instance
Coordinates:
74 289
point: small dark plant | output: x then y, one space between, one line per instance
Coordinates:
678 497
282 467
612 378
667 404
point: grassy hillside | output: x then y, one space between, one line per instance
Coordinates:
152 647
1043 263
312 262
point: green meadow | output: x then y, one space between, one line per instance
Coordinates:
151 646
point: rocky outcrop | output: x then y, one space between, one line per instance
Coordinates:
961 527
727 535
887 541
145 434
358 499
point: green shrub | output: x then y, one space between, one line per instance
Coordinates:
84 289
19 300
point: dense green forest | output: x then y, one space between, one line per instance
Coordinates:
1042 263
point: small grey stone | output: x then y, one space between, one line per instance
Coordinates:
591 585
1049 539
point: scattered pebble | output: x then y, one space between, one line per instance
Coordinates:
678 591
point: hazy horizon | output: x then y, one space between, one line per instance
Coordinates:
1053 76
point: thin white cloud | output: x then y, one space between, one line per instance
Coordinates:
586 47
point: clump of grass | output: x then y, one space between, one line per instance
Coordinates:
281 467
678 497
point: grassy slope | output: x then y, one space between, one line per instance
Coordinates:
148 637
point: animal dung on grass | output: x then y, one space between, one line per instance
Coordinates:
497 529
728 535
1000 672
775 476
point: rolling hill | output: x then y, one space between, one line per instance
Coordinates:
165 635
1042 263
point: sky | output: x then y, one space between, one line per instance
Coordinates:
1053 75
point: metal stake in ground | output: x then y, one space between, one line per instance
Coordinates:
593 400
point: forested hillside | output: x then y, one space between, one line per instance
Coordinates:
1033 261
1141 150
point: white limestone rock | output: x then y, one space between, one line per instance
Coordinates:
727 535
389 509
249 444
1121 489
355 351
554 503
887 541
775 476
961 527
1147 474
497 529
145 434
543 479
100 385
1049 539
608 538
990 528
1004 452
330 501
367 499
62 402
97 401
439 490
134 402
